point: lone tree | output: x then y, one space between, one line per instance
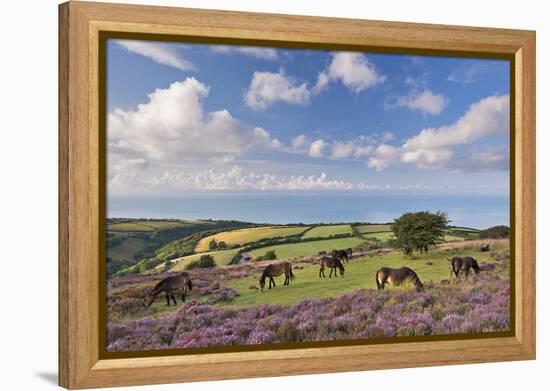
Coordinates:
417 231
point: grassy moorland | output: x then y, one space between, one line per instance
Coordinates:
295 250
225 308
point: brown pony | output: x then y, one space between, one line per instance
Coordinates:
275 270
349 251
342 255
397 277
464 264
178 282
332 263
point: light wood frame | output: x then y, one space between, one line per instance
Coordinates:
80 365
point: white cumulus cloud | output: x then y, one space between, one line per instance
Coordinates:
173 125
434 147
267 88
354 70
317 148
426 101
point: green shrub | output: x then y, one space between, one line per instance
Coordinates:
205 261
268 256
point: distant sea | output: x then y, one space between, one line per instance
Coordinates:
476 211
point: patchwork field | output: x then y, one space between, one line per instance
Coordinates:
242 236
295 250
327 230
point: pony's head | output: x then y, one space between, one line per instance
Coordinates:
475 266
341 268
262 282
150 298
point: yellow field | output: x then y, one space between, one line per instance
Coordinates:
242 236
325 231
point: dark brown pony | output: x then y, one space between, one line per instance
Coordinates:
349 251
464 264
179 282
332 263
397 277
342 255
275 270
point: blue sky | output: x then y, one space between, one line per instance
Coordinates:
186 117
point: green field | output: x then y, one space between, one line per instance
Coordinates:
221 258
369 228
295 250
325 231
248 235
360 273
126 249
383 236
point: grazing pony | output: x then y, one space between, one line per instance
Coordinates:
342 255
484 247
332 263
463 264
170 284
397 277
275 270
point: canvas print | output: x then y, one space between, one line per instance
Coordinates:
268 197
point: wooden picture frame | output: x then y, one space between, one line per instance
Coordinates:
81 202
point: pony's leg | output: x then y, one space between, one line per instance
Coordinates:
330 275
174 299
183 297
269 283
272 279
167 299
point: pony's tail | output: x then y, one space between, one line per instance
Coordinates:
291 274
377 282
190 284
